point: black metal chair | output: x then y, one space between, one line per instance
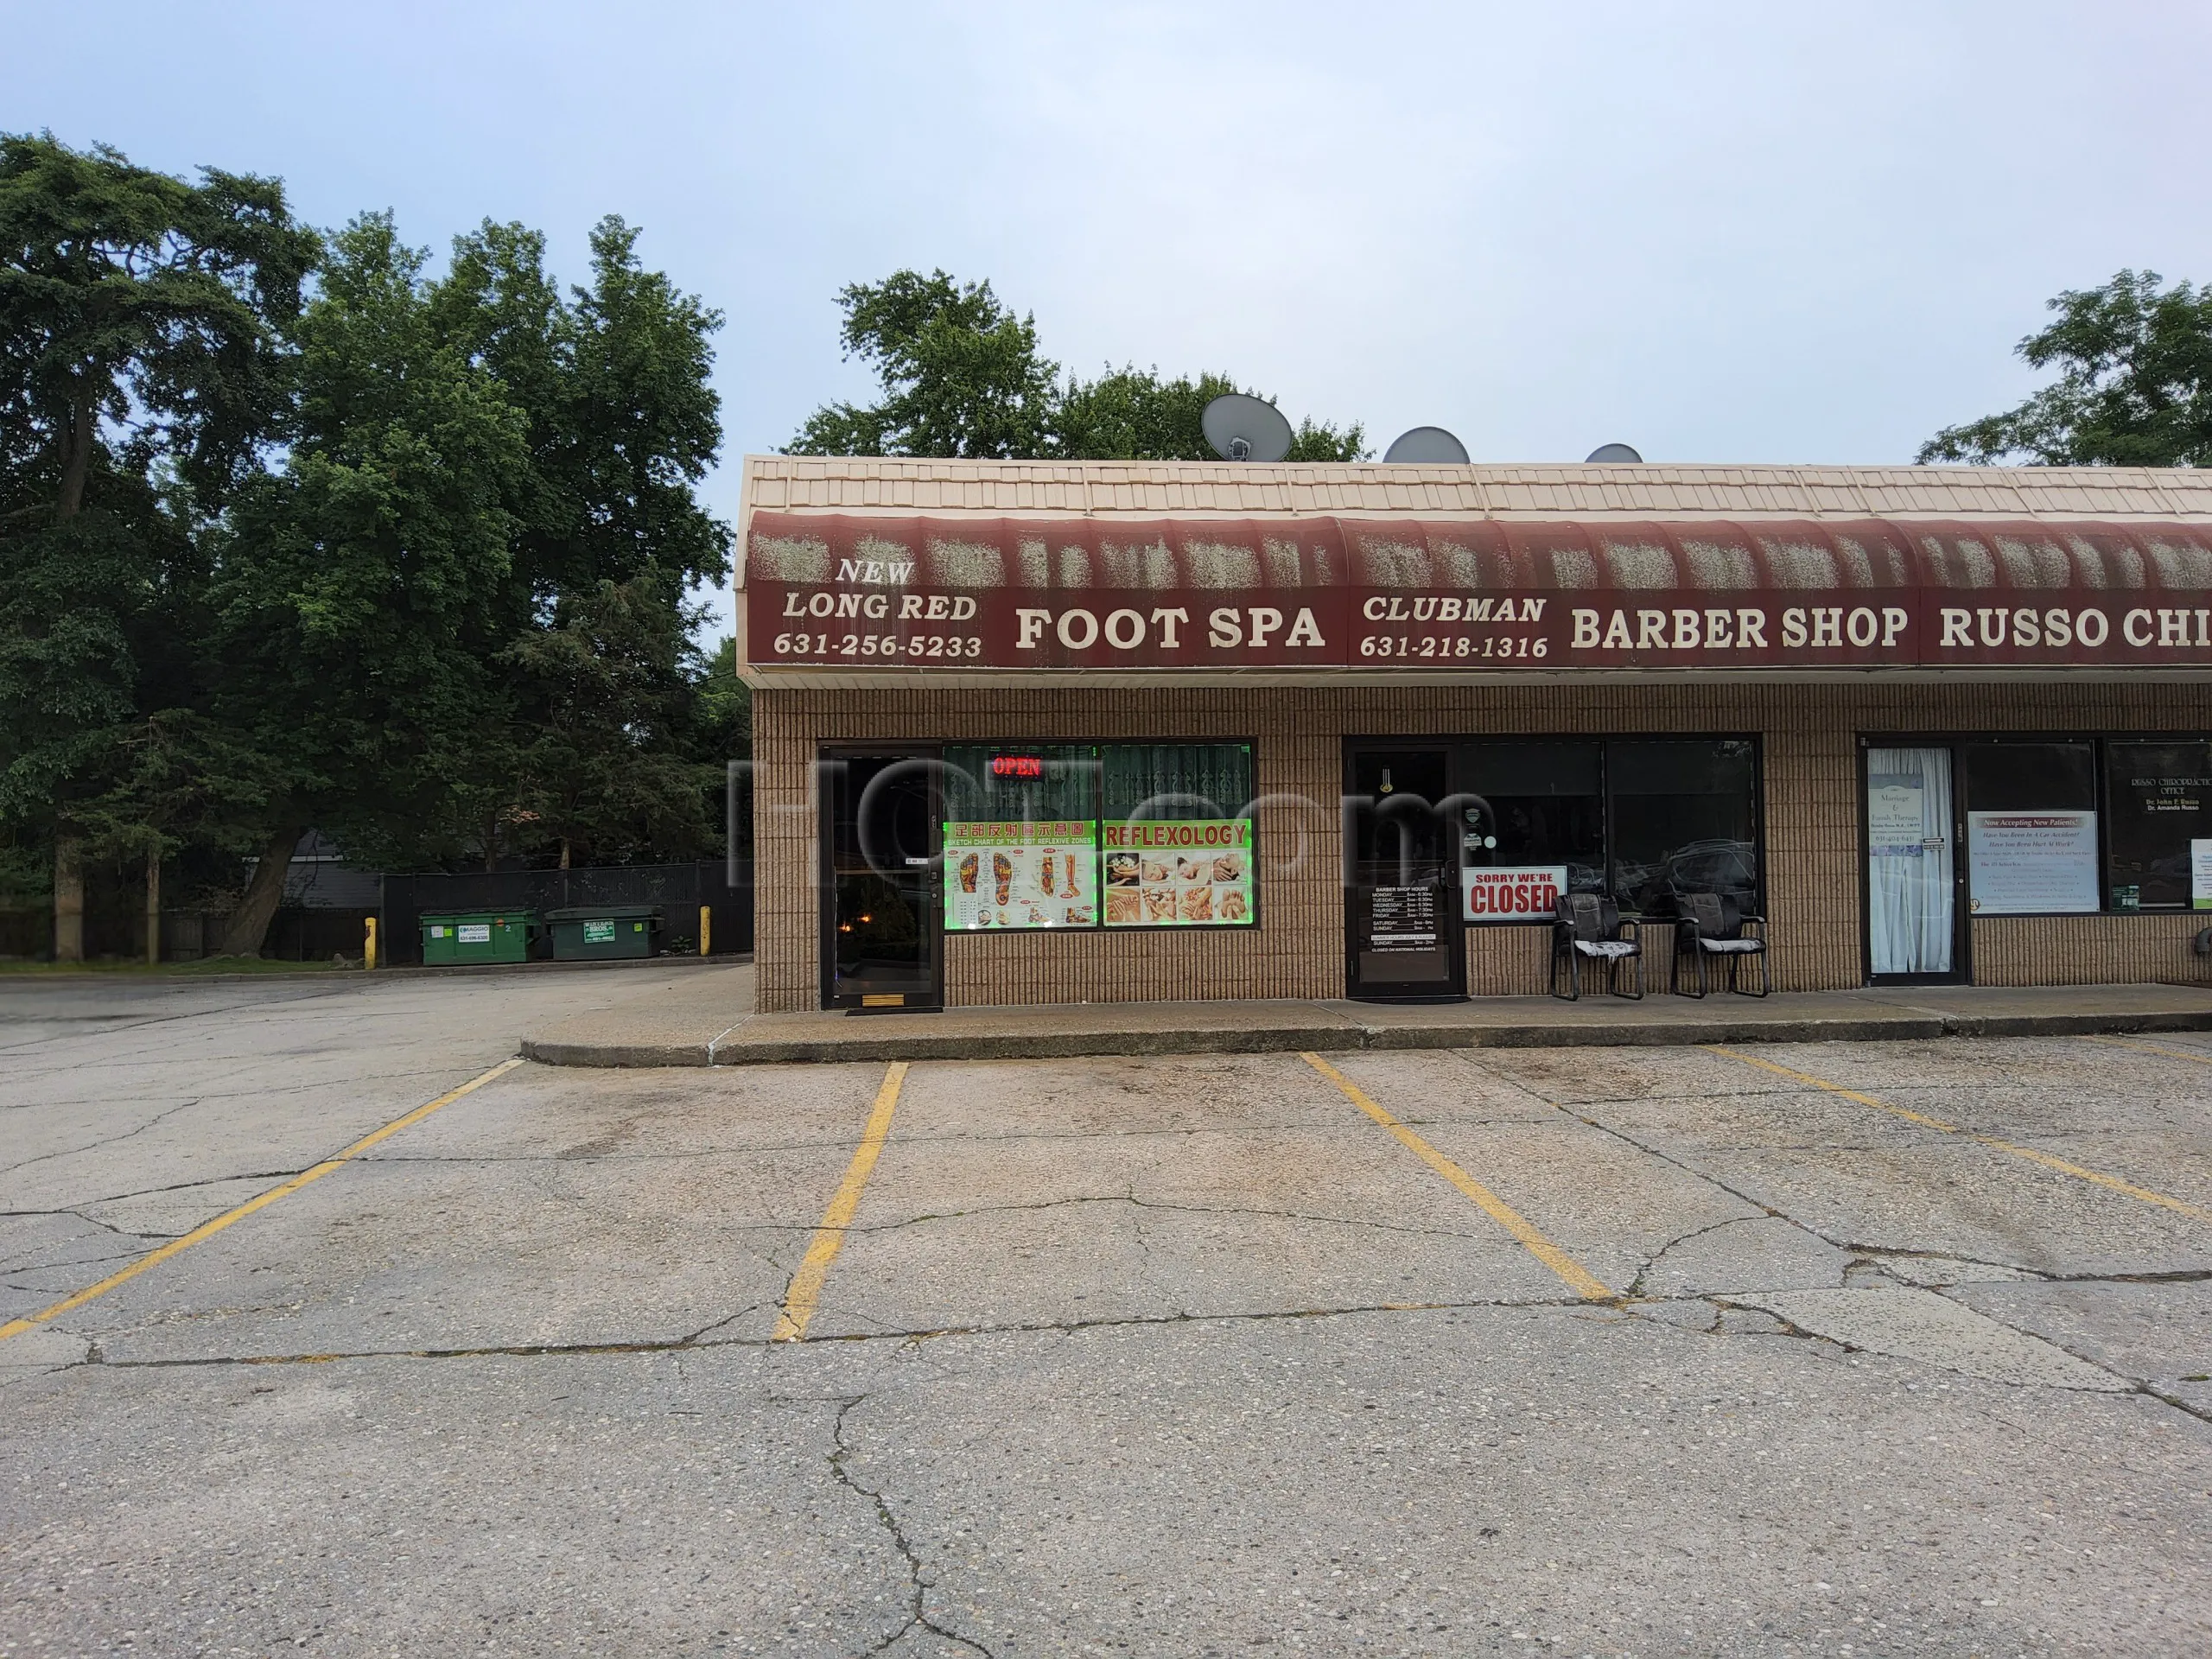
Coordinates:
1712 926
1588 928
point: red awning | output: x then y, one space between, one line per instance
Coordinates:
1549 555
1322 593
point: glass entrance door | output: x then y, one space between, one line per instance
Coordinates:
1404 941
882 944
1912 889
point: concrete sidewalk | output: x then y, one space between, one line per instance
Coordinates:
703 1019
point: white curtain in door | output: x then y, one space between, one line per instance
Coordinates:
1909 860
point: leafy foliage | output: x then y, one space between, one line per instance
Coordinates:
463 603
598 755
623 424
133 302
1131 414
603 765
2134 385
361 591
962 376
144 367
293 533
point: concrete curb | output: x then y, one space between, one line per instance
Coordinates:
616 1054
1340 1038
1058 1046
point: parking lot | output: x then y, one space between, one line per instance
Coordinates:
1834 1348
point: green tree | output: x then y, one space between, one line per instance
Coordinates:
2134 385
176 779
366 562
1131 414
606 767
642 426
362 593
723 739
615 383
962 376
725 704
460 613
597 755
142 362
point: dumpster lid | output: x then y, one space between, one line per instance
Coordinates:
487 915
603 913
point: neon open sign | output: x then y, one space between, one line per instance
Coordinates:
1017 765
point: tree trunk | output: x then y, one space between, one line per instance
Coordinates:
77 457
154 907
564 852
249 927
68 899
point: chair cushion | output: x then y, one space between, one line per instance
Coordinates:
1607 947
1732 947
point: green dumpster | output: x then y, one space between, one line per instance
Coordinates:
461 936
582 933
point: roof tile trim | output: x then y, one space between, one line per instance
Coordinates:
881 484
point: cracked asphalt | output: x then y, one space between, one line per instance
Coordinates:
1181 1357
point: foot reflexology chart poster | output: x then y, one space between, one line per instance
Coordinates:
1015 875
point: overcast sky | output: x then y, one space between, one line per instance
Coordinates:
1720 234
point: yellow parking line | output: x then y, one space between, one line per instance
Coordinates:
2154 1048
1579 1279
261 1201
2031 1153
806 1289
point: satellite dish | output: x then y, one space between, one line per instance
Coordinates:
1426 446
1612 452
1245 428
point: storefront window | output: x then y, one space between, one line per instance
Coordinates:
1646 821
1035 835
2159 836
1532 824
1684 816
1020 836
2032 826
1176 834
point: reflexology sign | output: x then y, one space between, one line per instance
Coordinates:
1179 873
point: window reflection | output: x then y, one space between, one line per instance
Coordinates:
2158 794
1685 816
1536 805
1645 820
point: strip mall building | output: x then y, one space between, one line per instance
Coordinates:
1120 731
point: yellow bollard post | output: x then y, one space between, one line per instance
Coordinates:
369 945
706 928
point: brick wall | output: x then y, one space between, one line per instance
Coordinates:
2089 950
1809 737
